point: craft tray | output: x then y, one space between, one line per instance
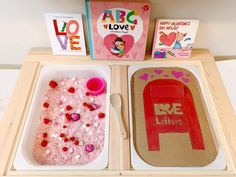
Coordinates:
119 159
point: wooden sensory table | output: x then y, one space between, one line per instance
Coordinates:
119 150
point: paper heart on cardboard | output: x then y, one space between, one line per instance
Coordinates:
168 39
109 41
144 76
177 74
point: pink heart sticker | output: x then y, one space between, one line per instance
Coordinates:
119 45
166 75
185 80
158 71
144 76
177 74
168 39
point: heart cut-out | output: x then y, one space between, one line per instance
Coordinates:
158 71
185 80
177 74
144 76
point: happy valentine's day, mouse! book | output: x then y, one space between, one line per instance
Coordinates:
174 38
118 29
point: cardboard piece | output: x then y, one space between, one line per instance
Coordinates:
170 122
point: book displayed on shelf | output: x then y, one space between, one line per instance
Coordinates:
118 30
66 34
174 38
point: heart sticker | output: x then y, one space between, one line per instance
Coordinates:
169 39
177 74
119 45
158 71
185 80
144 76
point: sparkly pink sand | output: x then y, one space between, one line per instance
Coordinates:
88 130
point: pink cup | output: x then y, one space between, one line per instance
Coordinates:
96 85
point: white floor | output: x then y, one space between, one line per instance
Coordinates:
8 79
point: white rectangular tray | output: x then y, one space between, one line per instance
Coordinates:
24 158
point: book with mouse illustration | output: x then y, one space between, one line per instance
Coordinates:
118 30
174 38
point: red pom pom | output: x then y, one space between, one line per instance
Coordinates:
89 106
45 135
87 94
66 140
101 115
85 104
68 116
53 84
44 143
46 121
65 149
76 142
62 135
72 138
64 126
91 109
87 125
71 90
46 105
68 107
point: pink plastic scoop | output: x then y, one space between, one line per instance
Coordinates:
96 85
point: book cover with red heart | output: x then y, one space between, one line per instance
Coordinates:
118 29
174 38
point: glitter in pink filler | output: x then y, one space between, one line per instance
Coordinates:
71 129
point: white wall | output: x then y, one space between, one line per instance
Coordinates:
22 25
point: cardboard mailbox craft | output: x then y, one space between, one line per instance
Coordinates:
169 108
170 121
